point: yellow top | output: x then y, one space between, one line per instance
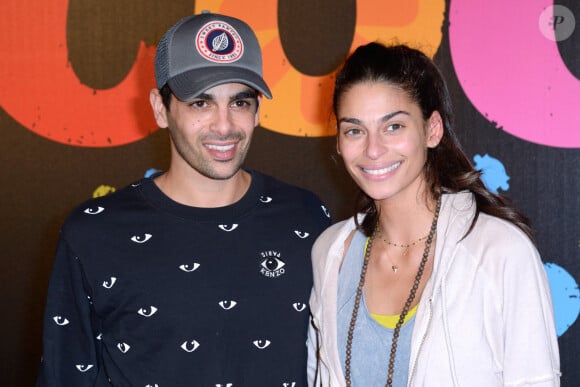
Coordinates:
390 320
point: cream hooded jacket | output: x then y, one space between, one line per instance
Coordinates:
485 317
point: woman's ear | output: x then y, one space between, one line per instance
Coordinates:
434 129
159 110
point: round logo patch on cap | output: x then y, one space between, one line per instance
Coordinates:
219 42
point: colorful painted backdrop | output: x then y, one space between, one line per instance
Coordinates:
75 119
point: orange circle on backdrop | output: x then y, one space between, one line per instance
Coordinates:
301 105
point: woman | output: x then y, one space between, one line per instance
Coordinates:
436 280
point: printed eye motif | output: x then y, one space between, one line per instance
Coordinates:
325 211
265 199
228 228
141 238
299 306
272 264
147 312
301 234
59 320
94 211
262 344
189 268
123 347
227 305
108 284
83 367
190 346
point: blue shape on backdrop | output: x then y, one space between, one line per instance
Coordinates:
565 296
493 171
151 171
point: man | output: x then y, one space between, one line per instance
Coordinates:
199 276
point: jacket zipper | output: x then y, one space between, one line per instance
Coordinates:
413 369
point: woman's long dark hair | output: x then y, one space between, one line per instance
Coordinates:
447 168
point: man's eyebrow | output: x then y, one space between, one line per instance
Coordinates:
250 93
384 118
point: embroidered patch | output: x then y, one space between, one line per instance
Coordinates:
219 42
271 264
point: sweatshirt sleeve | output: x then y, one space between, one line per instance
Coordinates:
531 345
70 351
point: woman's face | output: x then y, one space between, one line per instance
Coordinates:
383 140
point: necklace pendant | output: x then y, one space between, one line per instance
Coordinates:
395 268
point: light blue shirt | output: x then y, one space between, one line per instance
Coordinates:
371 345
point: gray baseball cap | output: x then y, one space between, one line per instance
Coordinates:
205 50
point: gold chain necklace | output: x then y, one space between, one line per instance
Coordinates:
405 246
406 308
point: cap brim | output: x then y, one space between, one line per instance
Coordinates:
191 84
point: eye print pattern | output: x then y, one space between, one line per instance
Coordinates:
94 211
141 238
301 234
262 344
59 320
123 347
148 311
265 199
84 367
227 227
227 305
299 306
190 346
108 284
189 268
272 264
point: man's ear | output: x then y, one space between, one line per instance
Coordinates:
434 129
159 110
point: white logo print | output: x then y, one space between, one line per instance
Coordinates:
141 238
190 346
227 305
224 385
271 265
299 306
189 268
108 284
152 385
147 312
326 212
100 336
261 343
123 347
265 199
292 384
227 227
94 211
83 367
59 320
301 234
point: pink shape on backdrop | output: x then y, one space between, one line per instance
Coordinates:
512 73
